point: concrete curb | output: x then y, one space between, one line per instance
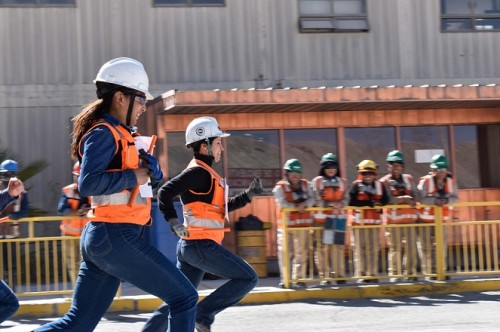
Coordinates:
147 303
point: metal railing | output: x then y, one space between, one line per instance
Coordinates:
38 265
437 250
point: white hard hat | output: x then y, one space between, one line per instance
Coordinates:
126 72
203 128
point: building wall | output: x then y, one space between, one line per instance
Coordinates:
51 55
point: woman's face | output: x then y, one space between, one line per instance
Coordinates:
330 171
138 109
121 104
216 148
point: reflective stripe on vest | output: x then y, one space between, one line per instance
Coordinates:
403 215
294 219
370 216
426 214
329 194
73 227
204 220
114 208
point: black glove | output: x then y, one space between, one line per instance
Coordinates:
179 229
254 188
152 164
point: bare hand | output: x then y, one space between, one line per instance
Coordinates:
142 175
15 187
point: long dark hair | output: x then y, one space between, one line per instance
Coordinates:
323 174
90 114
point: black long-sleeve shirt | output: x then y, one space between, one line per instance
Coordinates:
198 180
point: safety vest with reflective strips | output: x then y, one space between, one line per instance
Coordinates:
114 208
402 215
370 216
294 219
330 190
207 220
426 214
73 227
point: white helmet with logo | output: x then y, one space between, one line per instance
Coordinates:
126 72
203 128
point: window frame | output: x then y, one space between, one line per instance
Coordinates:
332 19
188 3
39 4
472 18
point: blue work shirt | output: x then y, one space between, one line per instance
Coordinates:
98 147
5 198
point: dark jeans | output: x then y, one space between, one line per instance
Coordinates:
194 258
8 302
114 252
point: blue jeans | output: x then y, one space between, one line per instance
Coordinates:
8 302
194 258
114 252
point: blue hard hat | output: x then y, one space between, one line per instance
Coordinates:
9 166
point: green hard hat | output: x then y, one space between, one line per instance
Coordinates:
439 162
293 165
328 158
395 156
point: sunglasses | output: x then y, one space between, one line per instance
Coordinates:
140 99
369 173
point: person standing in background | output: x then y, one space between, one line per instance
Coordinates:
330 192
367 191
402 190
294 192
436 188
72 203
16 209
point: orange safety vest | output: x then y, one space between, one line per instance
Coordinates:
295 219
403 215
329 193
370 216
206 220
114 208
73 227
426 214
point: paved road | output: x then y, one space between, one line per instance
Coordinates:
469 312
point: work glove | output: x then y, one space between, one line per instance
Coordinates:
254 188
179 229
152 164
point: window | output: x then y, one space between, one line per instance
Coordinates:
253 153
189 3
332 15
368 143
467 157
308 146
488 137
38 3
420 144
470 15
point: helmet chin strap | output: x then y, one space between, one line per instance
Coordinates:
209 147
130 107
